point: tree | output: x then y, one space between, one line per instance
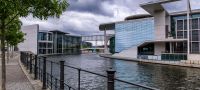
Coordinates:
11 10
13 35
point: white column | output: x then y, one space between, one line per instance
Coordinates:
105 42
188 27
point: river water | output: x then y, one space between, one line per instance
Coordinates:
152 75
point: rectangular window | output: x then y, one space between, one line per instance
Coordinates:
49 45
185 24
195 35
195 47
179 24
42 45
185 34
42 51
42 36
179 34
194 23
50 38
49 51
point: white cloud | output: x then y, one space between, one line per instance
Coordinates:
87 22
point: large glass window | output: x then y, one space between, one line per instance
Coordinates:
50 45
146 50
42 36
185 34
185 24
195 35
194 23
179 24
179 34
42 45
195 47
50 37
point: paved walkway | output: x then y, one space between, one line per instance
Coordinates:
16 79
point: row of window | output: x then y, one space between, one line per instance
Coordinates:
45 45
43 36
182 24
45 51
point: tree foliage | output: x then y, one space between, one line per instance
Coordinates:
12 10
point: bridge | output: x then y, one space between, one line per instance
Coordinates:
105 38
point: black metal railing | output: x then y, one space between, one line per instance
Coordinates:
56 81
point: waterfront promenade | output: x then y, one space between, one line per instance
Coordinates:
16 78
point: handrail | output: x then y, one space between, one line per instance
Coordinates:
146 87
26 58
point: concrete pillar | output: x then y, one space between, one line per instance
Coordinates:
105 42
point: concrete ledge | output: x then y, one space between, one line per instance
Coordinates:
172 63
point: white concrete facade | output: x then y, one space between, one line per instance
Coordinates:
159 48
31 38
160 24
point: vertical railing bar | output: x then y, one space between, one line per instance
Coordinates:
79 78
62 78
35 69
30 63
51 73
44 73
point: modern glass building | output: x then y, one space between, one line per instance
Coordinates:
157 35
57 42
44 42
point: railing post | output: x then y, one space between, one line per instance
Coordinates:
30 66
35 68
44 73
111 81
79 79
26 55
62 78
51 74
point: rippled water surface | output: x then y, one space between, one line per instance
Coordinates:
153 75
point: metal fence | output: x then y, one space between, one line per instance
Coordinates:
38 67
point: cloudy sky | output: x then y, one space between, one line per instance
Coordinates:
84 16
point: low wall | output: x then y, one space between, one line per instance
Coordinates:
194 57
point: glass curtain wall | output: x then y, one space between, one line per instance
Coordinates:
181 31
71 44
132 33
45 41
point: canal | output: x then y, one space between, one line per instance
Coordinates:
153 75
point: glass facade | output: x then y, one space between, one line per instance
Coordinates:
179 27
58 43
45 43
132 33
71 44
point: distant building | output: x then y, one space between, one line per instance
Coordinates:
157 35
45 42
